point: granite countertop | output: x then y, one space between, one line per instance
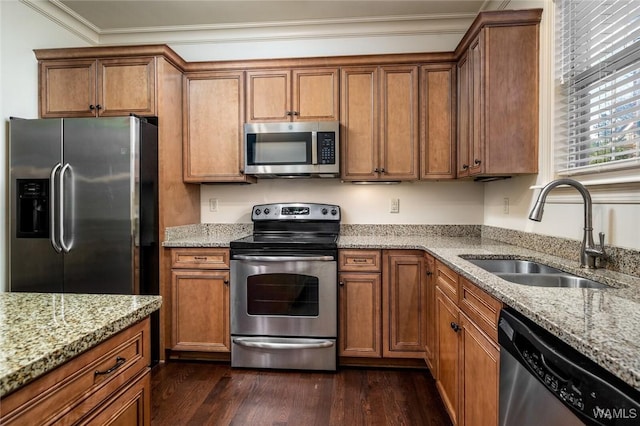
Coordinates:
41 331
601 323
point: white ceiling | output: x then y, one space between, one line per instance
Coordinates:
105 21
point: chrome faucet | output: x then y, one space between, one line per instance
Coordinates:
589 252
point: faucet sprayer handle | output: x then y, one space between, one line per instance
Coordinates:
601 236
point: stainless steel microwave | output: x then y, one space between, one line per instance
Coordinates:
300 149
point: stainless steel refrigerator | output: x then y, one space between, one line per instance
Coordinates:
83 205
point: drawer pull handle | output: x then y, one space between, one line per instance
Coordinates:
204 258
359 260
119 362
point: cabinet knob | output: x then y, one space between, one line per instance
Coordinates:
98 106
455 327
296 113
289 113
477 162
226 282
91 107
465 166
382 170
429 273
341 283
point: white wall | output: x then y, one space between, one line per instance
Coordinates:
21 30
420 202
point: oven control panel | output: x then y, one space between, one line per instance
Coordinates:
296 211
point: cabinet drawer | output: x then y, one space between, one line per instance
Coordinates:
447 281
70 391
480 307
128 405
360 260
200 258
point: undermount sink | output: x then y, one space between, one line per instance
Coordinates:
535 274
513 266
562 279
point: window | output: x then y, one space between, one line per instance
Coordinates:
598 82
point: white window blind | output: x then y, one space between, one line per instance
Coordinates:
598 77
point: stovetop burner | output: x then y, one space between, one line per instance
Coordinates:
292 226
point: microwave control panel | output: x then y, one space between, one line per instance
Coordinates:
326 148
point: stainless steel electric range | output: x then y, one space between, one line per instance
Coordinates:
284 288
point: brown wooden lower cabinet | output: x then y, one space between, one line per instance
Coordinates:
447 352
480 369
200 300
360 303
75 393
360 315
382 304
430 306
467 352
403 301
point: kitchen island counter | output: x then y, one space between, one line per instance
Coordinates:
41 331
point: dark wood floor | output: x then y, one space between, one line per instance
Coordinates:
201 393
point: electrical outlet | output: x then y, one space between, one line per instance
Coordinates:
213 204
505 205
394 205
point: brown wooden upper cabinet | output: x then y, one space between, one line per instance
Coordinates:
213 108
437 121
379 114
97 87
293 95
498 95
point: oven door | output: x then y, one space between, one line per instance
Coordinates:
284 296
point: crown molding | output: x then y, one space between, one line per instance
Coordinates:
61 17
388 26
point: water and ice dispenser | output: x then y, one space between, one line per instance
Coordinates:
32 208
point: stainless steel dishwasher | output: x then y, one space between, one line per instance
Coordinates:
543 381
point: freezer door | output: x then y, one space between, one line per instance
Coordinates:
100 194
35 151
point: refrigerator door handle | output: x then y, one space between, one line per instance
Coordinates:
65 248
52 209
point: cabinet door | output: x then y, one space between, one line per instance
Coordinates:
430 316
200 303
403 298
269 96
464 116
438 124
213 120
359 117
126 86
480 369
68 88
476 89
448 342
359 319
399 121
315 95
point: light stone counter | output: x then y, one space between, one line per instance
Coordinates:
41 331
603 324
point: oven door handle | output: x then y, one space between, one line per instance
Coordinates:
255 343
283 258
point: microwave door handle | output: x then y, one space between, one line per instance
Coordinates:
314 148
